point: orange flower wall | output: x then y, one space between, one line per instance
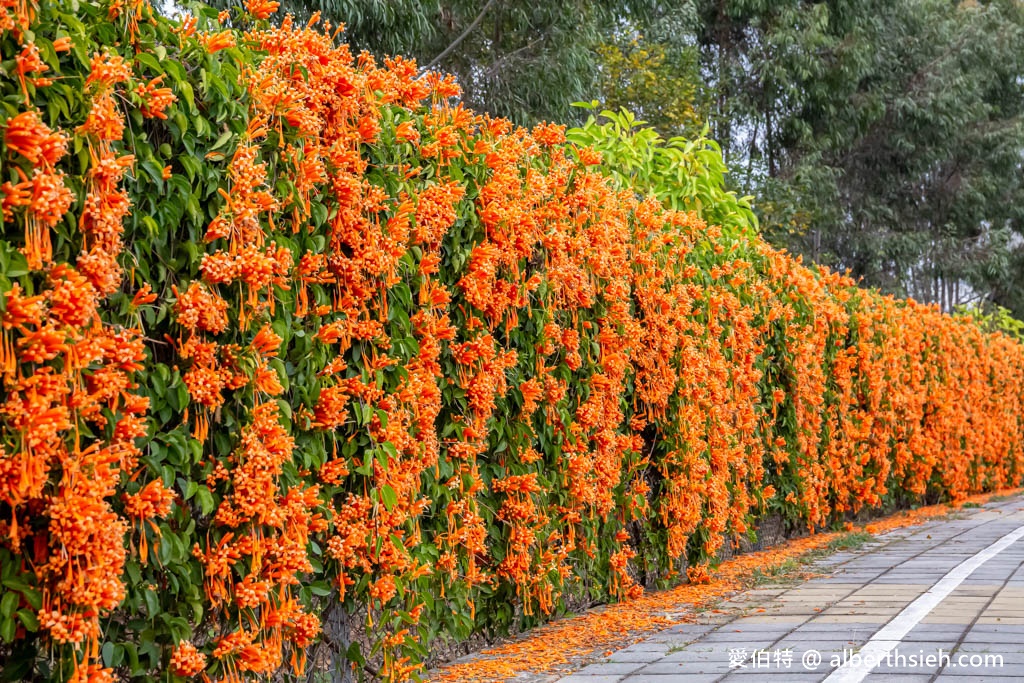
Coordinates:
288 331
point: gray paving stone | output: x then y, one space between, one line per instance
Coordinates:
934 639
773 677
752 624
649 646
935 628
751 638
903 670
969 678
1008 669
927 646
670 678
1005 649
814 627
973 636
716 656
690 629
997 660
672 639
643 656
611 668
836 645
720 666
999 628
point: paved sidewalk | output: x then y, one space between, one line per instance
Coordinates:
940 602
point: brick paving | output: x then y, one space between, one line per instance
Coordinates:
804 632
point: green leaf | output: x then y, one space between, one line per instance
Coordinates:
8 604
28 620
16 584
150 61
205 500
388 497
186 90
223 140
152 603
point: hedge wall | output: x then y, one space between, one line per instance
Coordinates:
291 340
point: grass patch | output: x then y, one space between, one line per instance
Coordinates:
794 570
787 572
853 540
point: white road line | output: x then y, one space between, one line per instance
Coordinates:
889 637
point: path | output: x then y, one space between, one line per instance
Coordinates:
940 602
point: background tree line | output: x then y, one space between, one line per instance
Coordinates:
881 136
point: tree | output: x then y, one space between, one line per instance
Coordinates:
650 66
882 137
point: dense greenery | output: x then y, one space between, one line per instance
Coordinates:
881 137
884 137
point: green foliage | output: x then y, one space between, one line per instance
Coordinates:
993 318
684 174
883 137
661 85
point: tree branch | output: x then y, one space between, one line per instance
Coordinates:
462 36
492 69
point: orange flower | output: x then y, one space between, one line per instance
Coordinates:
199 308
29 62
215 42
151 502
407 132
333 471
143 296
28 136
104 120
107 70
155 100
187 661
261 9
267 381
187 27
652 343
15 196
266 342
532 392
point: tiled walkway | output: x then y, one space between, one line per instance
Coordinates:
949 596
